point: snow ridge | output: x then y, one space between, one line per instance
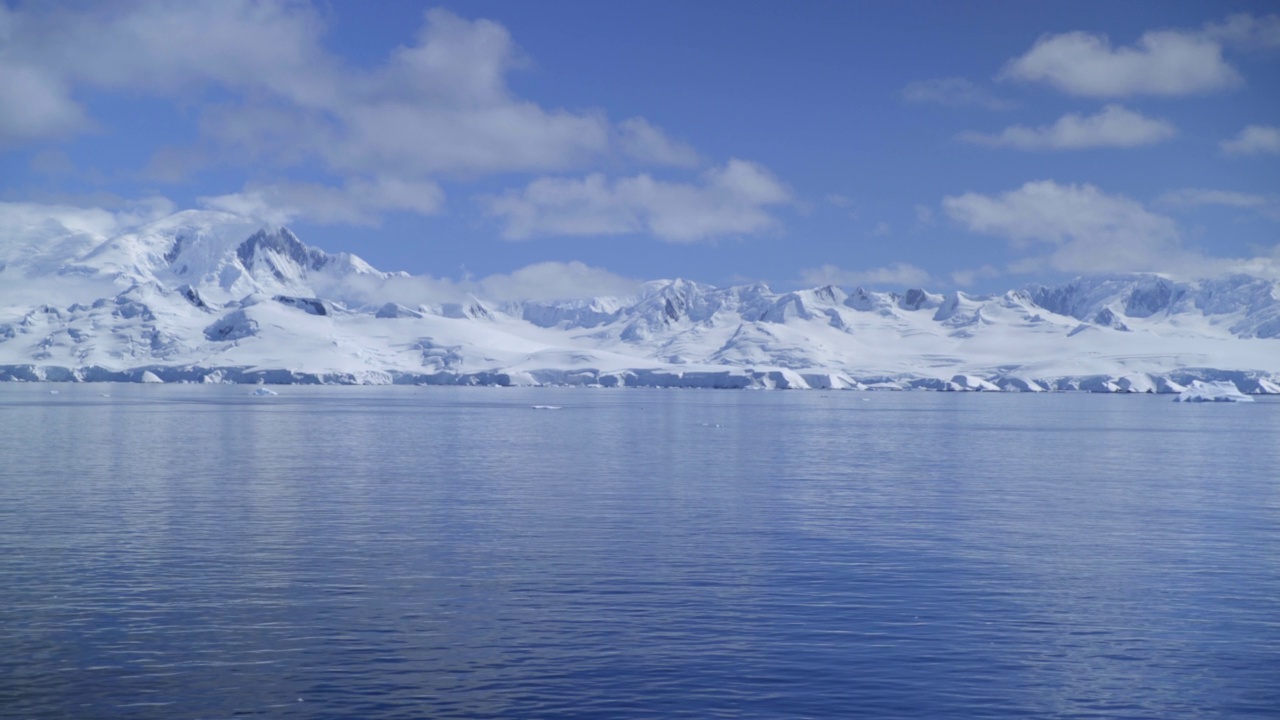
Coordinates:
211 297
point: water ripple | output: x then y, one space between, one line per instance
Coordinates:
405 553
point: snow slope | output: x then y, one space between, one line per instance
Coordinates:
210 297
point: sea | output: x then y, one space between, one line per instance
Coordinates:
189 551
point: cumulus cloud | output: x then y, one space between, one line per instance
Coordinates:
267 92
1113 126
162 47
1254 140
897 274
1163 62
1246 31
359 202
733 199
953 92
1088 230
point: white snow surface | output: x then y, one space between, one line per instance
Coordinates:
1217 391
210 297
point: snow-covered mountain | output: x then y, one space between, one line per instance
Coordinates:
210 297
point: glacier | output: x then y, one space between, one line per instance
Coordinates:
210 297
1220 391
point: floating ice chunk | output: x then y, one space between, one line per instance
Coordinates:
53 392
547 407
263 392
150 377
1220 391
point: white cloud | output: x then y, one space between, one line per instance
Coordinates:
898 274
420 138
1246 31
882 229
266 91
953 92
730 200
1254 140
359 202
1089 230
924 216
1163 62
650 144
34 106
42 237
1113 126
17 218
162 47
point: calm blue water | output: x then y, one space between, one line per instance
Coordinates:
193 552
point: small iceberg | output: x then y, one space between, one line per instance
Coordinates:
263 392
547 407
1220 391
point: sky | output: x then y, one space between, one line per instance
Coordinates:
585 145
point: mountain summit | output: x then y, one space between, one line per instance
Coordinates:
210 297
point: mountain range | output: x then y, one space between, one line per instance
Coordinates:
205 296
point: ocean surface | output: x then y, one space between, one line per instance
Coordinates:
332 552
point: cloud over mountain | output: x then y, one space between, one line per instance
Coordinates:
733 199
268 93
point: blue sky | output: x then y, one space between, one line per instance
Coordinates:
952 145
